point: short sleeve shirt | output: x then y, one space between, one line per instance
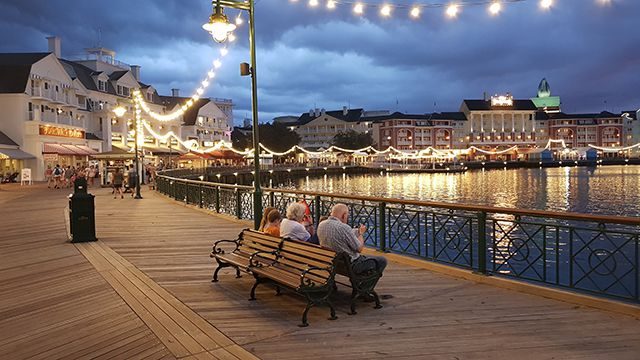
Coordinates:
293 230
339 237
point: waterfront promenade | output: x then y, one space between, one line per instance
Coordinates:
144 291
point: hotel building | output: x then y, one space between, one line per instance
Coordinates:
59 111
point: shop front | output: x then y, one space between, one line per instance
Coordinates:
12 161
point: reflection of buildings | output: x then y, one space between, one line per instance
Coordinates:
61 111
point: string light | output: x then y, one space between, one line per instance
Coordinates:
495 7
452 10
415 12
313 3
385 10
358 8
331 4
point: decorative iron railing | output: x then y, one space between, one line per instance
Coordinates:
595 254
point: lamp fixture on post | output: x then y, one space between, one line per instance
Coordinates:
219 26
220 30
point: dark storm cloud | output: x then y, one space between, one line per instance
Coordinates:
314 58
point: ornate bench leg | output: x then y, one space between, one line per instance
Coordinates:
215 273
377 299
354 295
333 310
253 289
304 314
238 272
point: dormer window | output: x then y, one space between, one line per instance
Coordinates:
102 85
125 91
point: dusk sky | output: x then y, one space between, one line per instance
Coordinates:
589 52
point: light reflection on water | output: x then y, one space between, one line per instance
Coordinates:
612 190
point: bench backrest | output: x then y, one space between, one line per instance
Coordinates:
300 256
251 241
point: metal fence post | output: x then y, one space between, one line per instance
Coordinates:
316 208
200 200
238 204
482 242
218 199
272 199
382 208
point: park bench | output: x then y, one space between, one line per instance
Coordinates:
248 243
306 270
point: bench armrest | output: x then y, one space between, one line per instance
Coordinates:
306 282
216 250
253 262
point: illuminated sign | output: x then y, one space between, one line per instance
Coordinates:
48 130
502 100
208 143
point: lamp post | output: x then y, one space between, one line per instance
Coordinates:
119 112
220 29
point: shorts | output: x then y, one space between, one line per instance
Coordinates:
117 186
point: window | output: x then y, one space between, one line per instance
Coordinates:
100 123
125 91
102 86
30 107
42 108
119 90
46 86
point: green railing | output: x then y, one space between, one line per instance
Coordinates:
596 254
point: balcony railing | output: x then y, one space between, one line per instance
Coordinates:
595 254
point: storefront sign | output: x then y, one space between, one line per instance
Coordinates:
50 157
48 130
25 176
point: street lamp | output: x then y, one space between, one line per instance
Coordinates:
220 29
119 112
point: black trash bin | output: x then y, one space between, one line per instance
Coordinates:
82 217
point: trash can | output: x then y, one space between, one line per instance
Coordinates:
82 217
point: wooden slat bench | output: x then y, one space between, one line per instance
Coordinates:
248 243
309 271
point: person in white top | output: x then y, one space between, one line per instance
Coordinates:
292 226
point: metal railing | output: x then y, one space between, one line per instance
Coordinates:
595 254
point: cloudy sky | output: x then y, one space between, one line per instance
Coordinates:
314 57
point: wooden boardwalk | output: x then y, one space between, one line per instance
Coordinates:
145 292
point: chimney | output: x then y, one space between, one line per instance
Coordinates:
485 97
345 111
135 70
54 46
175 92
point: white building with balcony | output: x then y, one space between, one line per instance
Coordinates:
318 127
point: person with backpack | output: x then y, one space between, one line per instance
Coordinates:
57 175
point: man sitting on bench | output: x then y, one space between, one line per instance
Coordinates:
335 234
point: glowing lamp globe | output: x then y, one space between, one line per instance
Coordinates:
119 111
219 26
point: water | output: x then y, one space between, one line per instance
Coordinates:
605 190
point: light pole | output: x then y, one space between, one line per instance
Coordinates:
220 28
120 111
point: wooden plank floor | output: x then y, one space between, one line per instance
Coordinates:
53 303
430 316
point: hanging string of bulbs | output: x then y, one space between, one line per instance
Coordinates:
451 9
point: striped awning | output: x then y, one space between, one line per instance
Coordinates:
67 149
16 154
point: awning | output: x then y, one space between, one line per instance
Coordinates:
67 149
162 150
16 154
116 154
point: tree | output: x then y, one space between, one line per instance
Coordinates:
275 137
352 140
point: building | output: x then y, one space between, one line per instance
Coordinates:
60 111
318 127
420 131
604 129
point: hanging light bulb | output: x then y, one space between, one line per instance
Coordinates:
385 10
119 111
452 10
495 7
546 4
239 20
331 4
358 8
415 12
313 3
219 26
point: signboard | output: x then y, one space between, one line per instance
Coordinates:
50 157
502 100
25 176
49 130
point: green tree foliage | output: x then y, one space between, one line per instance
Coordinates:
276 137
352 140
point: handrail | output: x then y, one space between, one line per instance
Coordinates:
450 206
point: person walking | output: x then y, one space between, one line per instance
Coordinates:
48 174
132 180
57 177
118 180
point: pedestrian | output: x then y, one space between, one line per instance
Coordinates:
118 180
91 174
57 176
48 175
132 180
68 174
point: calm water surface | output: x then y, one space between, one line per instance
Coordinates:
611 190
